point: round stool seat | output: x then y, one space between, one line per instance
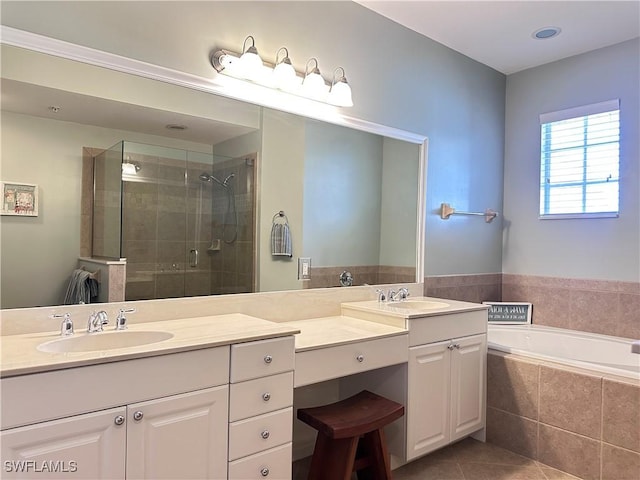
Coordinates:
351 437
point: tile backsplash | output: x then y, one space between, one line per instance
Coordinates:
597 306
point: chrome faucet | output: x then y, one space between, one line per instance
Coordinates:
121 320
66 327
399 296
97 321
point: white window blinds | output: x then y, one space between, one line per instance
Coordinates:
579 161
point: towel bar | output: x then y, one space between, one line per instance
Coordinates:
447 210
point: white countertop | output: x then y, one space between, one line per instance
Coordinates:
360 321
19 354
326 332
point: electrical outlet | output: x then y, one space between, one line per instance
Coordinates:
304 268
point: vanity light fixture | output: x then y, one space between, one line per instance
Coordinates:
282 76
313 85
340 91
250 61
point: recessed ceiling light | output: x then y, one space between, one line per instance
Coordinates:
546 32
54 108
173 126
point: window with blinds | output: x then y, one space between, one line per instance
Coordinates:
579 162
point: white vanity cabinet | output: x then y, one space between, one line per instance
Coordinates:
261 409
156 417
182 436
446 392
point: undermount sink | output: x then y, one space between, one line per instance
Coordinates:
92 342
420 305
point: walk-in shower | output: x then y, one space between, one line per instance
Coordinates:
183 220
230 219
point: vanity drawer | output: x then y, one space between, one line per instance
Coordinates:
259 396
260 433
443 327
264 357
274 464
314 366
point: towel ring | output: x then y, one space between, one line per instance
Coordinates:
280 214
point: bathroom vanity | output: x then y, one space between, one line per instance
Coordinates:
214 399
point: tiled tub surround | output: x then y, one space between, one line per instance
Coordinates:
597 306
577 421
466 288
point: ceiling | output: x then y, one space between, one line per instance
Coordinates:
30 99
499 33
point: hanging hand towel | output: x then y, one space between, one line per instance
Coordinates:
281 239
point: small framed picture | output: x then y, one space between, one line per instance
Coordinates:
509 313
19 199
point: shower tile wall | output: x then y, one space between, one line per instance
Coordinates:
159 229
232 266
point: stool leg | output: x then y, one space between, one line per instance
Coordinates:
332 459
375 446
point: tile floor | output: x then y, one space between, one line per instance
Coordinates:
467 460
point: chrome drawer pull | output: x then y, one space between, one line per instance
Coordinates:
457 345
266 396
451 347
264 472
119 420
268 359
137 416
265 434
360 358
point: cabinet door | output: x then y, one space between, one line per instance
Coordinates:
83 446
428 398
183 436
468 385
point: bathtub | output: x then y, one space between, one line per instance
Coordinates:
599 353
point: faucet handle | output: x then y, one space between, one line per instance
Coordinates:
121 320
66 327
381 296
403 293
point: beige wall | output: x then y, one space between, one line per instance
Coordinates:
38 254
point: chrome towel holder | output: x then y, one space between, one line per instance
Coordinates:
447 210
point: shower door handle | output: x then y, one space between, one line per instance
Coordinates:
193 257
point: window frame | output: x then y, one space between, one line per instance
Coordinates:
544 190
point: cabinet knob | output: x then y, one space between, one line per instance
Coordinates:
457 345
451 347
360 358
264 472
119 420
265 434
137 416
268 359
266 396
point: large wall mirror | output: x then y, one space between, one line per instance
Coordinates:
205 180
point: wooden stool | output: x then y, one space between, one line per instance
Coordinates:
340 427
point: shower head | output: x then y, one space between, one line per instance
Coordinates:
226 180
205 177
